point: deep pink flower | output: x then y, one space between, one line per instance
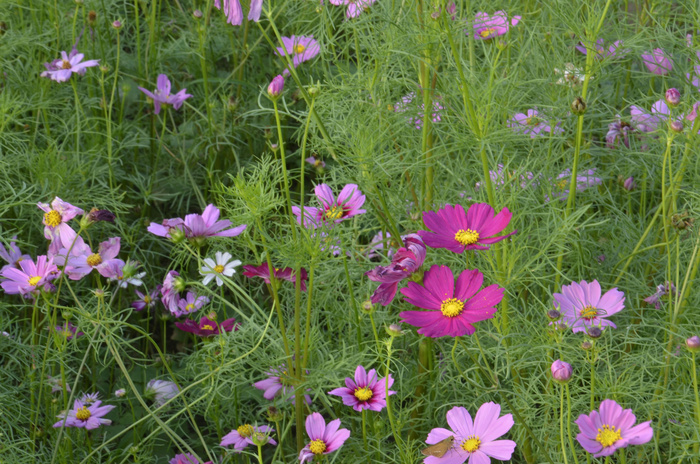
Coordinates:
68 330
584 180
474 441
452 309
582 307
459 231
532 124
30 278
405 262
658 62
263 272
242 436
162 97
207 327
278 383
13 256
146 300
613 428
488 27
61 69
612 51
89 416
195 226
299 48
347 205
56 219
324 438
365 391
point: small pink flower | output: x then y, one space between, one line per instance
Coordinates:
532 124
332 210
613 428
62 69
207 327
355 7
582 307
365 391
82 260
13 256
299 48
488 27
30 278
162 96
56 217
263 272
234 13
324 438
612 51
195 226
88 416
242 436
278 383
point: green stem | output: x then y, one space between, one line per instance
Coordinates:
284 172
561 423
693 370
568 424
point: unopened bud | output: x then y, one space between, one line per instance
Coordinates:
197 14
117 24
673 97
367 306
274 90
394 330
179 284
177 235
561 371
585 346
677 126
553 315
313 90
92 17
274 414
578 106
595 332
693 344
629 184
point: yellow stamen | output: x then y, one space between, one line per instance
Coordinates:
298 48
245 430
334 212
317 446
562 184
207 327
451 307
471 444
190 307
94 259
34 280
218 268
487 32
467 237
589 312
83 414
147 299
52 218
66 65
608 435
363 394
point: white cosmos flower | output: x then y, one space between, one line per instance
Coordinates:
216 268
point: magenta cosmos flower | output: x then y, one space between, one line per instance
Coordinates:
604 432
242 436
300 48
30 277
234 13
658 62
582 307
324 438
12 255
56 217
602 52
263 272
452 309
89 416
195 226
531 124
161 95
61 69
404 263
488 27
347 205
355 7
207 327
365 391
459 231
475 441
278 383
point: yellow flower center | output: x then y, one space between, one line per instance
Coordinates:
245 430
147 299
298 48
317 446
66 64
207 327
451 307
562 184
334 212
94 259
531 121
363 394
589 312
607 436
34 280
219 268
52 218
467 237
190 307
487 32
471 444
83 414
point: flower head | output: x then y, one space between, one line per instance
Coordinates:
489 26
195 226
459 231
365 391
61 69
215 269
324 439
618 130
68 331
604 432
582 307
532 124
648 122
317 163
146 300
207 327
299 48
30 278
161 391
89 416
234 12
82 260
161 96
404 263
12 255
186 458
661 290
561 371
278 382
658 62
601 52
244 435
452 308
263 272
56 217
355 7
189 304
332 210
474 440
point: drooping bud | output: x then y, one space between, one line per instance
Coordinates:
673 97
578 106
274 414
274 90
561 371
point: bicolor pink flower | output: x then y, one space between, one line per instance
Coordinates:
161 96
196 226
415 112
299 48
582 307
30 278
324 439
584 180
658 62
365 391
56 217
355 7
61 69
459 231
474 442
191 303
604 432
187 458
207 327
489 26
452 309
278 383
68 331
263 272
532 124
242 436
161 391
347 205
12 255
407 260
88 416
82 260
602 52
146 300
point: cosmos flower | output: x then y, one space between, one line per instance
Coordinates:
299 48
242 436
475 440
146 300
347 205
582 307
161 391
532 124
187 458
82 260
571 75
191 303
317 163
584 180
452 309
604 432
278 382
61 69
195 226
263 272
222 266
83 415
415 112
12 255
355 7
30 278
458 231
124 273
207 327
324 439
365 391
658 62
561 371
404 263
56 217
234 13
489 26
501 178
377 244
618 130
601 52
276 87
661 290
169 291
648 122
68 331
161 96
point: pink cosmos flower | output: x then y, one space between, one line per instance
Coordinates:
300 48
415 112
618 131
365 391
56 384
162 97
61 69
195 226
161 391
324 438
459 231
582 307
532 124
146 300
207 327
645 122
191 303
452 309
241 437
613 428
68 330
263 272
404 263
658 62
488 27
12 255
89 416
584 180
186 458
234 12
612 51
348 204
317 163
56 219
661 291
82 260
30 278
278 381
169 291
475 441
355 7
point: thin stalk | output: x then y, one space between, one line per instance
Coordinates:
693 370
561 423
568 424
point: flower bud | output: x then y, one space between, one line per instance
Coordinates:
92 17
259 438
129 269
553 315
117 24
274 414
120 393
595 332
677 127
585 346
578 106
693 344
367 306
274 90
394 330
197 14
673 97
629 184
501 44
313 90
561 371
